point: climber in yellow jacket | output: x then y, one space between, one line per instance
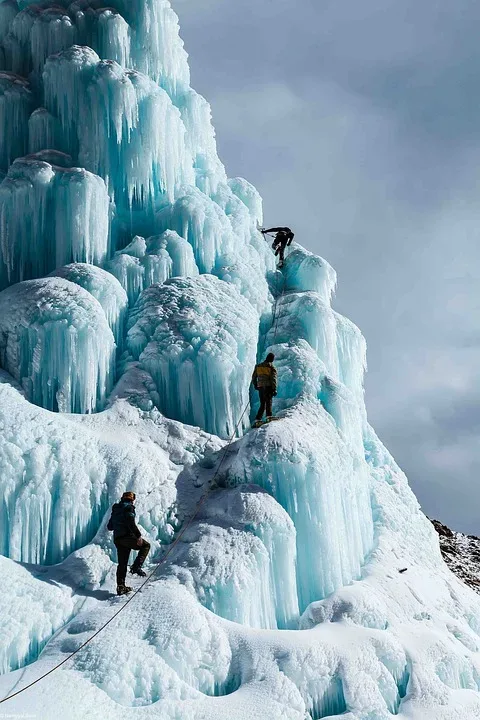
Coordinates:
264 380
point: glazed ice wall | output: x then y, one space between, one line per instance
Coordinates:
122 200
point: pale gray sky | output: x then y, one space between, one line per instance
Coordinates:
359 123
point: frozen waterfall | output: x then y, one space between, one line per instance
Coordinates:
136 296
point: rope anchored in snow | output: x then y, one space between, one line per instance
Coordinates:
170 548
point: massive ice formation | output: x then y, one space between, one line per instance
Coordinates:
105 288
16 104
56 342
239 559
59 474
197 339
147 262
281 597
50 215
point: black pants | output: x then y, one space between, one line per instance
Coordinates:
266 399
280 250
124 546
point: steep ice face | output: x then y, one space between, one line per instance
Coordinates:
50 215
41 608
147 262
59 474
56 342
306 272
197 338
16 104
282 599
239 559
140 149
104 288
323 487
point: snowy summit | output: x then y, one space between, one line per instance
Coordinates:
292 573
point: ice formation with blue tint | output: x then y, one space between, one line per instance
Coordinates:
105 288
16 104
239 559
197 339
136 295
120 125
50 215
55 341
148 262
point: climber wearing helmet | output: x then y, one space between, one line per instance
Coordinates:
264 380
283 239
127 537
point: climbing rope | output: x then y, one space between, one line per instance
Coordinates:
162 561
170 548
276 314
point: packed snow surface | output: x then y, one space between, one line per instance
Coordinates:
136 294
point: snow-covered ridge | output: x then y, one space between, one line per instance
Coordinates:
136 295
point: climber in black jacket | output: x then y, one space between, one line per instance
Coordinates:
127 537
283 239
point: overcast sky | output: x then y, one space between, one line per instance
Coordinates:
359 123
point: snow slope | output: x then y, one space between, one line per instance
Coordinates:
136 294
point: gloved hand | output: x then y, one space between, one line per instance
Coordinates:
275 394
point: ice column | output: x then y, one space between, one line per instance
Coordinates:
324 488
200 221
56 342
16 104
50 216
197 338
123 126
240 556
105 288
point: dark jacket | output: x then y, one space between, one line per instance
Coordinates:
284 236
122 520
265 376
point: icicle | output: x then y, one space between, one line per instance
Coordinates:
44 131
51 32
16 43
105 288
200 141
179 250
16 104
125 127
8 11
57 344
197 338
114 37
200 221
50 216
166 60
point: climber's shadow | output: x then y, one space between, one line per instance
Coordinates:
57 577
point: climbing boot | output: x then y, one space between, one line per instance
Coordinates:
137 570
123 589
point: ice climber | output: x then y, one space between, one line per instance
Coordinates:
283 239
127 537
264 380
